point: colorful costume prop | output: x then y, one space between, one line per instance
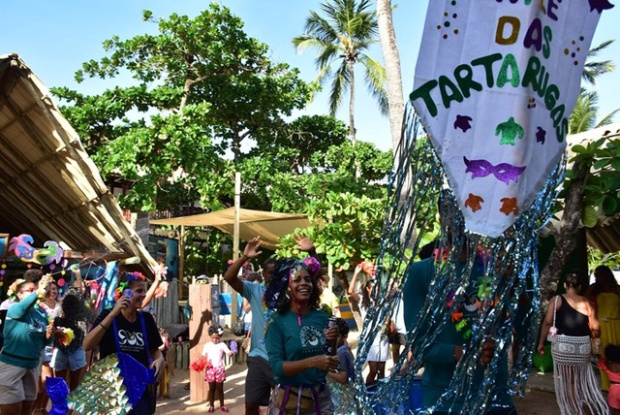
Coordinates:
22 247
112 386
494 89
494 86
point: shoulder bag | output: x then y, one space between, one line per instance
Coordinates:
553 331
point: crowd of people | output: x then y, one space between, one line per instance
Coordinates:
299 359
45 336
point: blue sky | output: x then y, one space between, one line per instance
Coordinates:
55 37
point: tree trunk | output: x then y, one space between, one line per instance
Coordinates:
351 64
392 68
566 240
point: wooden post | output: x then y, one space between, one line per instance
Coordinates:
199 323
234 312
181 276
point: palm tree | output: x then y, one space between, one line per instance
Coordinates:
346 32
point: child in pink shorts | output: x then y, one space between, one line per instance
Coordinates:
611 365
215 373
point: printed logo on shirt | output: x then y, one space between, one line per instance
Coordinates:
311 337
35 327
130 339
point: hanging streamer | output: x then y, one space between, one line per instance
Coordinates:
490 281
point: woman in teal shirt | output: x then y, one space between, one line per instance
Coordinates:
295 337
26 332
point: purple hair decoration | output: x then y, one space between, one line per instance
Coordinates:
503 172
313 265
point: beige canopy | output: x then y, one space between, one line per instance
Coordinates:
269 225
49 187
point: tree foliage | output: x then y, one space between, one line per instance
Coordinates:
202 86
602 186
345 228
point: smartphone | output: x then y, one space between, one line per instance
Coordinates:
128 292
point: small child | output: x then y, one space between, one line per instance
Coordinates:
164 382
343 395
215 373
611 365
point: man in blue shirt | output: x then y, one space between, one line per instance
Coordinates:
259 381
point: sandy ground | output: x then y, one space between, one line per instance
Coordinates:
539 398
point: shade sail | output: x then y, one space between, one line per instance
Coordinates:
270 226
50 188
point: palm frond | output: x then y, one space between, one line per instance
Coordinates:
592 70
329 53
607 119
343 30
375 81
340 86
583 117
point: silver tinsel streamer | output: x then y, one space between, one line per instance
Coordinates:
511 313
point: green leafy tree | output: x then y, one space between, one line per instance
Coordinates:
342 37
345 228
592 185
290 169
202 86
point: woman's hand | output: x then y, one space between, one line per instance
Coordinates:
358 269
121 303
331 333
323 362
159 365
304 243
541 349
49 331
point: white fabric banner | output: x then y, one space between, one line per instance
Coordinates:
494 86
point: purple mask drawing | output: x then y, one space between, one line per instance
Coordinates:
503 172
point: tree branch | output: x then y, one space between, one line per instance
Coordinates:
566 241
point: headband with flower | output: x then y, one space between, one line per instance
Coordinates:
128 279
12 292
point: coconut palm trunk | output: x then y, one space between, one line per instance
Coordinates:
352 134
391 59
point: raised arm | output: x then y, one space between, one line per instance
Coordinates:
151 292
95 334
232 273
78 283
352 293
305 244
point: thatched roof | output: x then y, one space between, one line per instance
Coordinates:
49 187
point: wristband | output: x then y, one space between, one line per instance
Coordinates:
104 327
